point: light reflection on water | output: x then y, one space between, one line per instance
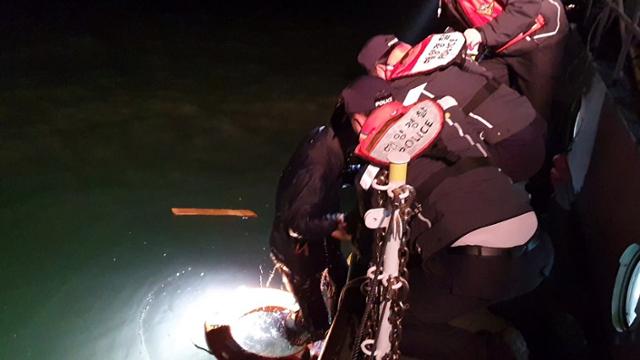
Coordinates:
128 285
262 332
165 328
172 316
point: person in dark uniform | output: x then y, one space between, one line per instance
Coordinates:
308 226
482 245
525 55
477 243
510 129
525 40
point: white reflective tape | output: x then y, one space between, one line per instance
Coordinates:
447 102
369 175
555 31
459 129
482 120
469 139
425 92
414 95
484 153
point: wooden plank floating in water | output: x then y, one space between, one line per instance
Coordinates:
213 212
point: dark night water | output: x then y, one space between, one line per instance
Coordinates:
104 128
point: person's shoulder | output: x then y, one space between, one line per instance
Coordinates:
409 81
321 136
319 144
315 136
323 131
470 76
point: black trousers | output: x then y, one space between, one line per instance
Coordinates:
303 266
447 286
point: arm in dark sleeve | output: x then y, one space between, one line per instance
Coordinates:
518 16
303 222
314 229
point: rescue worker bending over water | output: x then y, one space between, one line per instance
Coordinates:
508 126
308 226
476 239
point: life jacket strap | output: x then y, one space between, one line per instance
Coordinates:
481 95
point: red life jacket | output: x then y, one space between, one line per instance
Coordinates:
395 127
480 12
436 51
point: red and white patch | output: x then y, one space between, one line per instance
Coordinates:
434 52
394 127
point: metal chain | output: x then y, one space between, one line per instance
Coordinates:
399 298
373 291
397 288
371 287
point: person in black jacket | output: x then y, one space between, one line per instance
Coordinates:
307 229
531 64
308 224
477 243
507 124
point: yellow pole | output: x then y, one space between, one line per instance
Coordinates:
397 169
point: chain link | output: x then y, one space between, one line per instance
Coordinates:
396 290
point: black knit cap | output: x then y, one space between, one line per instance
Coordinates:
375 49
365 94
